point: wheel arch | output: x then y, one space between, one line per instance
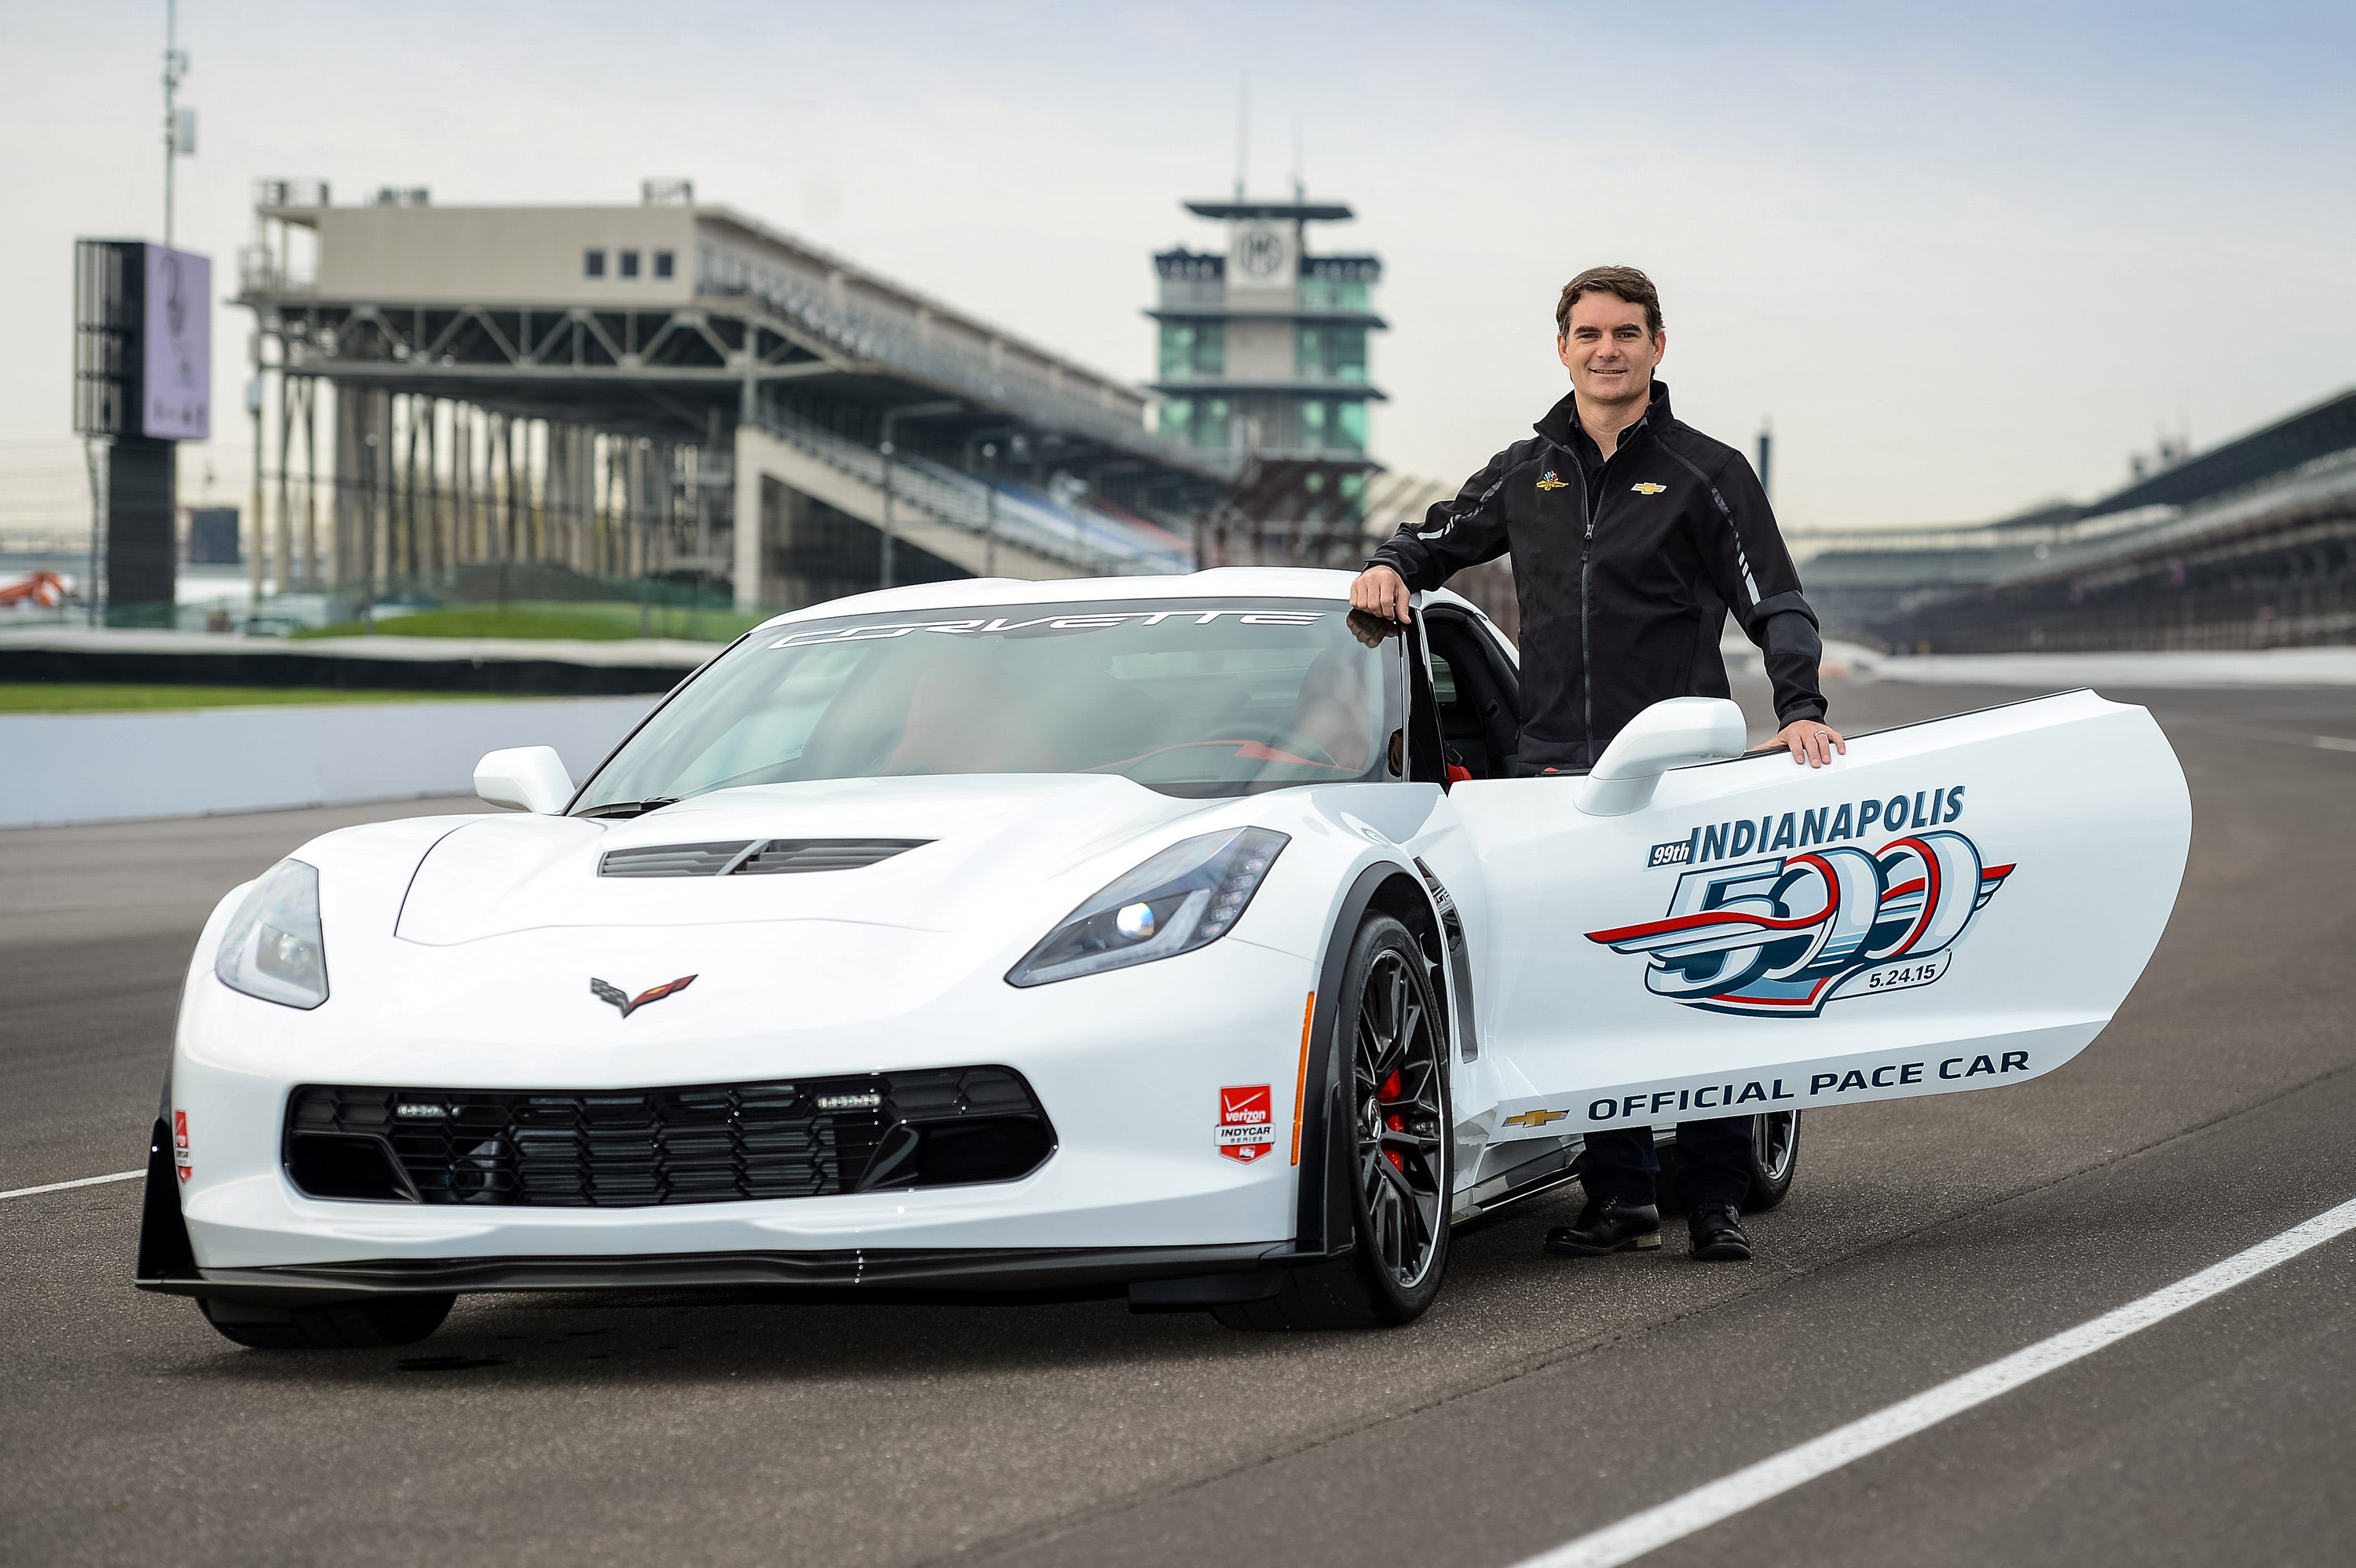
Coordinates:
1386 887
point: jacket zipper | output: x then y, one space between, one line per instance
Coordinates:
1586 654
1586 558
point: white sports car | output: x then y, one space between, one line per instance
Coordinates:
1180 937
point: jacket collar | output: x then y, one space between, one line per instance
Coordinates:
1561 424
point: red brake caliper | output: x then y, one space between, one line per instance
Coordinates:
1394 1120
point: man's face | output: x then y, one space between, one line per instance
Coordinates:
1607 352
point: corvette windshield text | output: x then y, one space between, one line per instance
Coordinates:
1047 624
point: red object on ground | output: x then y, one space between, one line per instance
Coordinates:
46 589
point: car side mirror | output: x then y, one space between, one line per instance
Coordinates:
532 777
1677 733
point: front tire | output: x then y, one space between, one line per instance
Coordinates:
1393 1036
359 1326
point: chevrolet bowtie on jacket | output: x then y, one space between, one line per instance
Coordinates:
1622 600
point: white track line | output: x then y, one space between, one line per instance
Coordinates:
62 1186
1699 1509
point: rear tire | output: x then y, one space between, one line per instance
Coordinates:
359 1326
1393 1035
1774 1159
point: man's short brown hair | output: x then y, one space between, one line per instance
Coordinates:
1627 282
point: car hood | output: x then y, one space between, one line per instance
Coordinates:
988 838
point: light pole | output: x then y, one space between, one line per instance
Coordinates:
253 523
176 66
986 442
891 417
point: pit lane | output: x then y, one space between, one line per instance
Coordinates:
1541 1399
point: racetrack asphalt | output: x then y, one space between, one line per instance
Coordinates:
1540 1399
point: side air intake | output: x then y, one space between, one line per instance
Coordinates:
763 857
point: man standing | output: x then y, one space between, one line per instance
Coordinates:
1633 535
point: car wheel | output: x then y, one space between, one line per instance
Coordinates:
361 1325
1774 1155
1393 1039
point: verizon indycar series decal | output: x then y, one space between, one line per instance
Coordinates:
1247 1123
1782 938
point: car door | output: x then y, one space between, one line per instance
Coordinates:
1957 904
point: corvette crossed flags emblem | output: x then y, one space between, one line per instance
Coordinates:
629 1004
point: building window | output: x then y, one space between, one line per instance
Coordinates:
1193 349
1350 426
1196 422
593 263
1327 353
1313 425
1211 429
1315 292
629 263
664 261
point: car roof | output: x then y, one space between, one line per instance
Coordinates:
1219 583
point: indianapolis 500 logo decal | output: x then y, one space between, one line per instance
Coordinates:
1781 937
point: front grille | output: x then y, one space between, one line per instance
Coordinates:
752 856
633 1147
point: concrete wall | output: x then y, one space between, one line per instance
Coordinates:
113 767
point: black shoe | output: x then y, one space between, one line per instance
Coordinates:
1612 1226
1716 1231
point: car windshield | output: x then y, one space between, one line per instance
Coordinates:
1205 696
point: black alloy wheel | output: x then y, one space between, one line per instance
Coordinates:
1393 1108
1398 1098
1774 1158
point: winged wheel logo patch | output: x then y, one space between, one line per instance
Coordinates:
629 1004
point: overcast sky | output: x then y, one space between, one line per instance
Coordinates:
1966 258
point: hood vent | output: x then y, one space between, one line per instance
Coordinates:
670 859
822 854
761 857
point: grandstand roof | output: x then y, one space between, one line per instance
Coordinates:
1298 211
2327 427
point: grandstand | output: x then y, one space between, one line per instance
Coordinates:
2251 544
670 390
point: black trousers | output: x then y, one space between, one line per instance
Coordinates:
1717 1154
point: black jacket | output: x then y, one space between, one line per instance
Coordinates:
1623 601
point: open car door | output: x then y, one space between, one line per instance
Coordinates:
1956 904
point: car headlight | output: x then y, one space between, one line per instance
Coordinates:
1187 896
273 948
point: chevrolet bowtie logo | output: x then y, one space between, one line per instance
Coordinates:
629 1004
1646 487
1550 482
1535 1118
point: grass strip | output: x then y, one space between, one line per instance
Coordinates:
552 620
110 697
